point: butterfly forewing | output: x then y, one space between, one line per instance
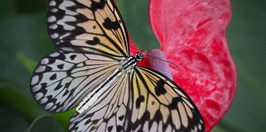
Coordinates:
109 112
160 105
62 79
88 26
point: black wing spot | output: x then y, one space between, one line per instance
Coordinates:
58 87
139 100
94 27
94 41
43 89
48 68
43 85
108 24
60 57
97 5
110 128
66 93
173 105
159 89
51 60
119 128
87 122
158 116
53 77
61 66
121 117
72 57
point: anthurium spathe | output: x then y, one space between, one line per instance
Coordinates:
192 36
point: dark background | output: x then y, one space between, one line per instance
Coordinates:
24 40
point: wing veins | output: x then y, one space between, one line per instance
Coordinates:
146 86
111 40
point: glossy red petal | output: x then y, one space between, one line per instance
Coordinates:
192 35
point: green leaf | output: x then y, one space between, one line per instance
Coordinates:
246 36
11 120
135 14
64 118
6 7
28 63
45 123
224 126
22 35
26 6
18 102
218 128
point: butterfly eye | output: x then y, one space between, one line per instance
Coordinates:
139 56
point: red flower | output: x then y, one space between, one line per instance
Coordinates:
192 36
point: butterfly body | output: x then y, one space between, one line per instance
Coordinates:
92 70
125 67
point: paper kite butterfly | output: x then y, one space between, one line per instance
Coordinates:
92 70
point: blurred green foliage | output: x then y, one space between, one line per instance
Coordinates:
24 40
45 123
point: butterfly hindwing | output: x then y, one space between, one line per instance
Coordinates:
109 112
144 101
160 105
62 79
88 26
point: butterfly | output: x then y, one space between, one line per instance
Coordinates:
93 72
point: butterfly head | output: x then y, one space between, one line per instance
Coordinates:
139 56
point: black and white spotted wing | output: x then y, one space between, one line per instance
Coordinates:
160 105
81 28
62 79
145 101
109 112
92 69
87 26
